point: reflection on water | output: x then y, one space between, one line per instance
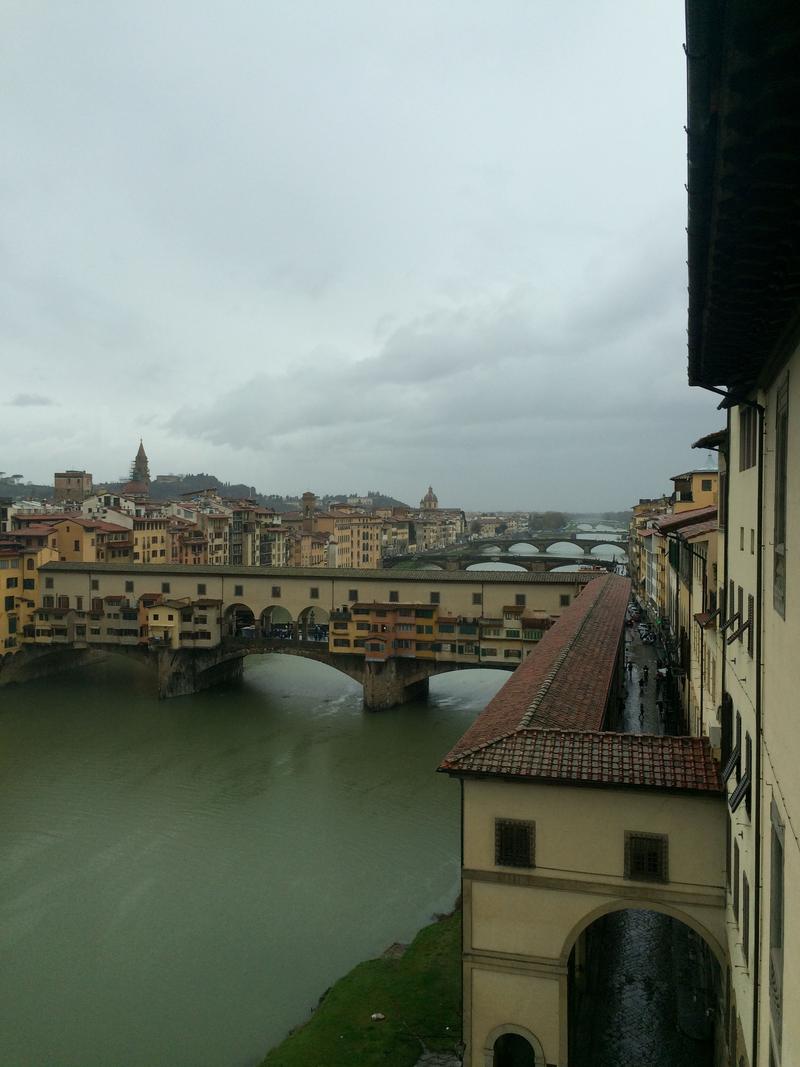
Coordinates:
181 880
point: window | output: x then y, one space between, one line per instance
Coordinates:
9 603
514 843
165 587
129 587
736 880
352 595
341 642
705 485
519 600
79 603
48 583
29 564
95 583
201 589
238 590
646 857
276 592
750 622
748 442
314 592
394 596
28 583
781 457
12 583
741 538
563 600
477 599
740 609
745 918
752 541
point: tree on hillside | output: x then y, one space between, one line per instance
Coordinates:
547 520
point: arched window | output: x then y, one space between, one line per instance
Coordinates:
513 1050
29 563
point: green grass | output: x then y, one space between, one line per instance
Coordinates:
420 995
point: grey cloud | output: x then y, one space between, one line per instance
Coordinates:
30 400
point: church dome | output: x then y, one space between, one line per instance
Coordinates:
430 500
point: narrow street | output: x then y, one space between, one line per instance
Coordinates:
650 977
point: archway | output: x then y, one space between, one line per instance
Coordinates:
276 624
312 624
565 548
643 987
513 1046
522 548
239 621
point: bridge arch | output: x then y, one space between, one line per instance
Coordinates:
565 548
313 622
275 621
523 548
238 616
607 549
499 1051
612 906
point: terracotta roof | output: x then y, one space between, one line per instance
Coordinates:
579 757
565 681
700 528
546 723
712 440
685 518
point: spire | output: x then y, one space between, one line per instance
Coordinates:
140 468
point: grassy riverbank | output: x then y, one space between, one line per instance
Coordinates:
419 993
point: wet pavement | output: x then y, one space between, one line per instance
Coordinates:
648 977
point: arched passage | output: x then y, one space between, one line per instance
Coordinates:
239 621
513 1046
276 623
643 987
312 623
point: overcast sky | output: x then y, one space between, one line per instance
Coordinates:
349 245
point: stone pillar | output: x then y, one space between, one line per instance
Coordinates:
394 682
187 671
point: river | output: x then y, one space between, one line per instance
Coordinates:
182 880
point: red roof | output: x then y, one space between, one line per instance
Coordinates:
574 757
546 723
686 518
700 528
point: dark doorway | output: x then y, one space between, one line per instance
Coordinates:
512 1050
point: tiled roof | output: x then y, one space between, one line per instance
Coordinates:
581 757
546 723
686 518
565 681
700 528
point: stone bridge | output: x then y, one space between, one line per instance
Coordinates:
181 672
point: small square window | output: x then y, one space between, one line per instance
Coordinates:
646 857
563 600
705 485
477 599
165 587
435 598
514 843
201 589
394 596
519 600
238 590
352 595
129 587
276 591
314 592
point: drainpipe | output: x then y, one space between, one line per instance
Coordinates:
759 727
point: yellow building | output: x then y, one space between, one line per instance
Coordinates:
151 539
695 489
20 560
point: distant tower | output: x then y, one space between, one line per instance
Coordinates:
430 501
140 468
309 507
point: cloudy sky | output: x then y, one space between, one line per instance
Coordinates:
349 245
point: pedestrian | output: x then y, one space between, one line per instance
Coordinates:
646 674
629 666
641 714
660 706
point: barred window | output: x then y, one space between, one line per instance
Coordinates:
646 857
514 843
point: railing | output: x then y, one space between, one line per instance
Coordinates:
776 990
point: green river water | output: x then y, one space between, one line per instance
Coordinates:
182 880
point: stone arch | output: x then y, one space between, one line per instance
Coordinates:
237 617
276 618
520 1031
312 623
623 904
565 548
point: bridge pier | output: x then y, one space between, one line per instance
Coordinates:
40 661
394 682
182 672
